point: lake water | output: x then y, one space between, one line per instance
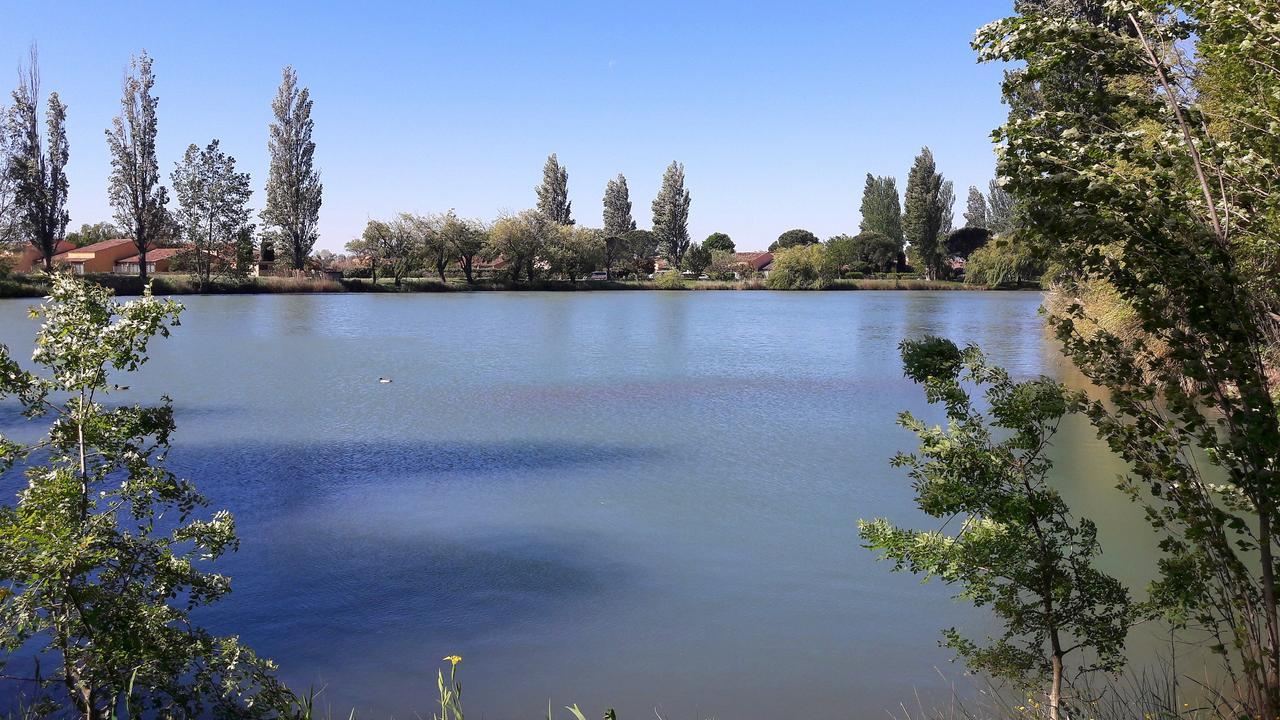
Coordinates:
630 499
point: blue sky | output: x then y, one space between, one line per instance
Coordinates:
777 110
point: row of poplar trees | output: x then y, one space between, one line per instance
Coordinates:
925 220
212 196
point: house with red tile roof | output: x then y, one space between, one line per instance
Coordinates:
486 268
759 263
100 257
158 260
32 259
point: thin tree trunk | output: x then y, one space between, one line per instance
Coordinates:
1055 690
466 267
1271 654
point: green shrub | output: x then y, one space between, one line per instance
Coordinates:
670 280
1003 261
803 267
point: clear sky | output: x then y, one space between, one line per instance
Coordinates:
777 110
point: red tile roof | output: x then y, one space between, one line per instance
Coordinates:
104 245
754 260
154 254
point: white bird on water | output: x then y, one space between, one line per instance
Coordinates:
384 379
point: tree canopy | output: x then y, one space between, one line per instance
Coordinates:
671 215
719 242
792 238
294 191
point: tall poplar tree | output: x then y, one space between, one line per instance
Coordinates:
293 183
10 229
671 215
946 209
553 193
924 217
617 208
135 191
975 214
881 209
1000 209
36 167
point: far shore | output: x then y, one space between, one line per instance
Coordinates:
175 284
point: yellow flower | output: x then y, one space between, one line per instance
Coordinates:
455 659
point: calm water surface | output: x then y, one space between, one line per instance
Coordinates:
634 500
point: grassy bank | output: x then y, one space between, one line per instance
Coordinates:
168 284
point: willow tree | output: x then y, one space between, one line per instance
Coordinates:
36 164
1141 162
671 215
294 191
135 190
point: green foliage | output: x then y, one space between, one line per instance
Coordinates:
1000 209
881 208
576 252
963 242
1150 173
718 241
136 191
521 239
617 208
670 280
213 206
1015 547
36 164
102 555
866 252
638 249
553 193
671 215
244 250
1007 260
793 238
976 214
926 218
89 234
724 266
697 259
466 239
802 267
294 191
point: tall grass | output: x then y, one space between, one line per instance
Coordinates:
1158 692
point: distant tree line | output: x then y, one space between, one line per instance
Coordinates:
213 223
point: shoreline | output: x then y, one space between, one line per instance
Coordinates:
27 287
